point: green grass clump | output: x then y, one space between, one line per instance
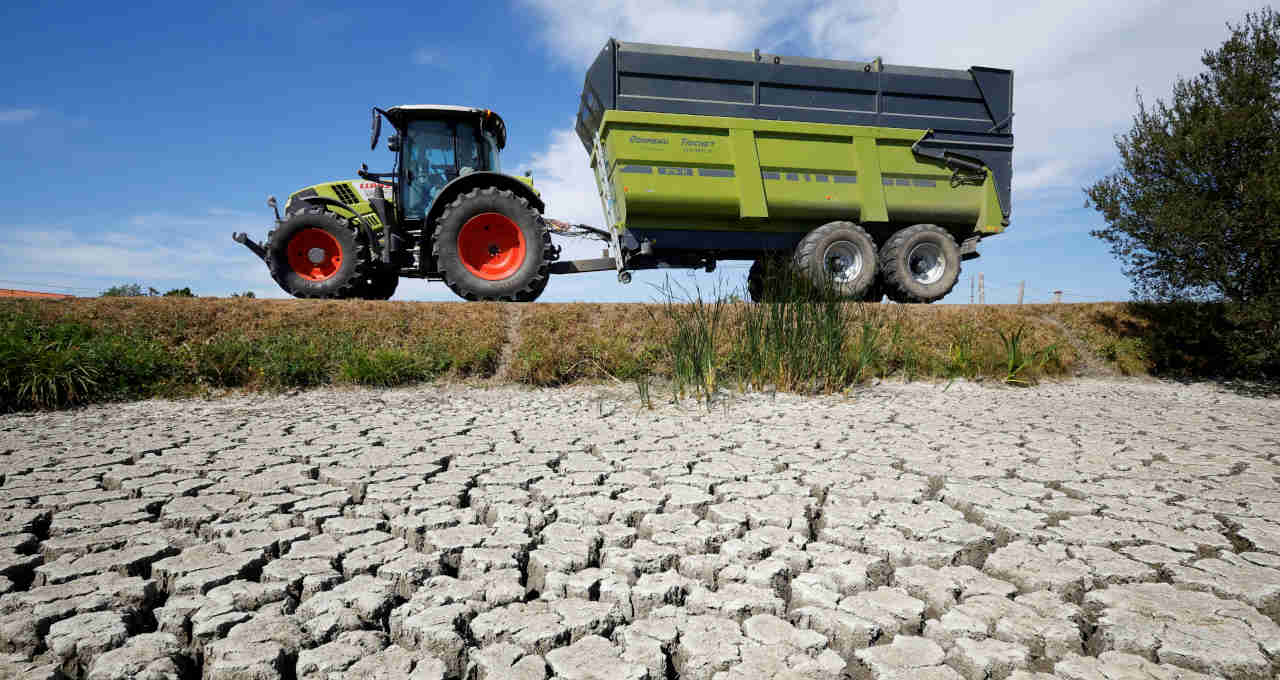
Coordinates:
692 347
392 367
57 355
68 363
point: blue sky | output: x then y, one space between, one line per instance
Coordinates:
137 136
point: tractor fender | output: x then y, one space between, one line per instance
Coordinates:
479 179
324 202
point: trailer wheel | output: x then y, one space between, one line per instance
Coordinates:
876 292
489 244
764 280
838 254
920 264
314 254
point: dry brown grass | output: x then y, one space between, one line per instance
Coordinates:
564 343
186 345
469 333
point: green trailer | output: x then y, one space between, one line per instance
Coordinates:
879 178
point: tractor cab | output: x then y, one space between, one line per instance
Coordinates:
436 145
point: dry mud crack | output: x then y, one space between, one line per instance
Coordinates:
1090 530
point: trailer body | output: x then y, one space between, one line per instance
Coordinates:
732 152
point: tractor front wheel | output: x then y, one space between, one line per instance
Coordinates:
491 245
314 254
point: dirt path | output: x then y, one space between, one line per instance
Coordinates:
513 314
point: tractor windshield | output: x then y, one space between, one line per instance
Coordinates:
429 164
437 152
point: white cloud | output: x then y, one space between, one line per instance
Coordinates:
159 250
17 115
575 31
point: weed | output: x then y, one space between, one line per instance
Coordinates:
57 375
962 354
798 339
868 353
1016 360
293 360
386 367
692 347
225 362
642 382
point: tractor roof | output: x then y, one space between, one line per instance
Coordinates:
404 113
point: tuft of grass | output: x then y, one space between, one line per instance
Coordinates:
643 389
694 341
224 362
392 367
798 340
1016 358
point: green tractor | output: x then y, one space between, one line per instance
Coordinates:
445 212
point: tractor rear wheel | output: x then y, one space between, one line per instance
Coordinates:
491 245
314 254
841 255
920 264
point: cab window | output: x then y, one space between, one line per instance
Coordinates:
429 164
469 155
491 150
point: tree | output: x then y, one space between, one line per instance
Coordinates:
180 292
124 290
1193 213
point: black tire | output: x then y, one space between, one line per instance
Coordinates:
831 240
904 255
755 280
342 282
765 282
378 285
876 292
535 292
526 281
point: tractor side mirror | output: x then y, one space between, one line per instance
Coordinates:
375 130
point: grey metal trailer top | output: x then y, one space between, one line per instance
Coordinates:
969 113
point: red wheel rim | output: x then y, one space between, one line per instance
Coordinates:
314 254
491 246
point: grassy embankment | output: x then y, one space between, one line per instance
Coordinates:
64 353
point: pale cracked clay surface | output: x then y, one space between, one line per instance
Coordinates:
1085 531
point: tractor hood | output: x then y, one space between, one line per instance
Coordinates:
350 192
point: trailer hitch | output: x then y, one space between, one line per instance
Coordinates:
244 240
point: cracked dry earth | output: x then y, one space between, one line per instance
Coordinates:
1091 530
